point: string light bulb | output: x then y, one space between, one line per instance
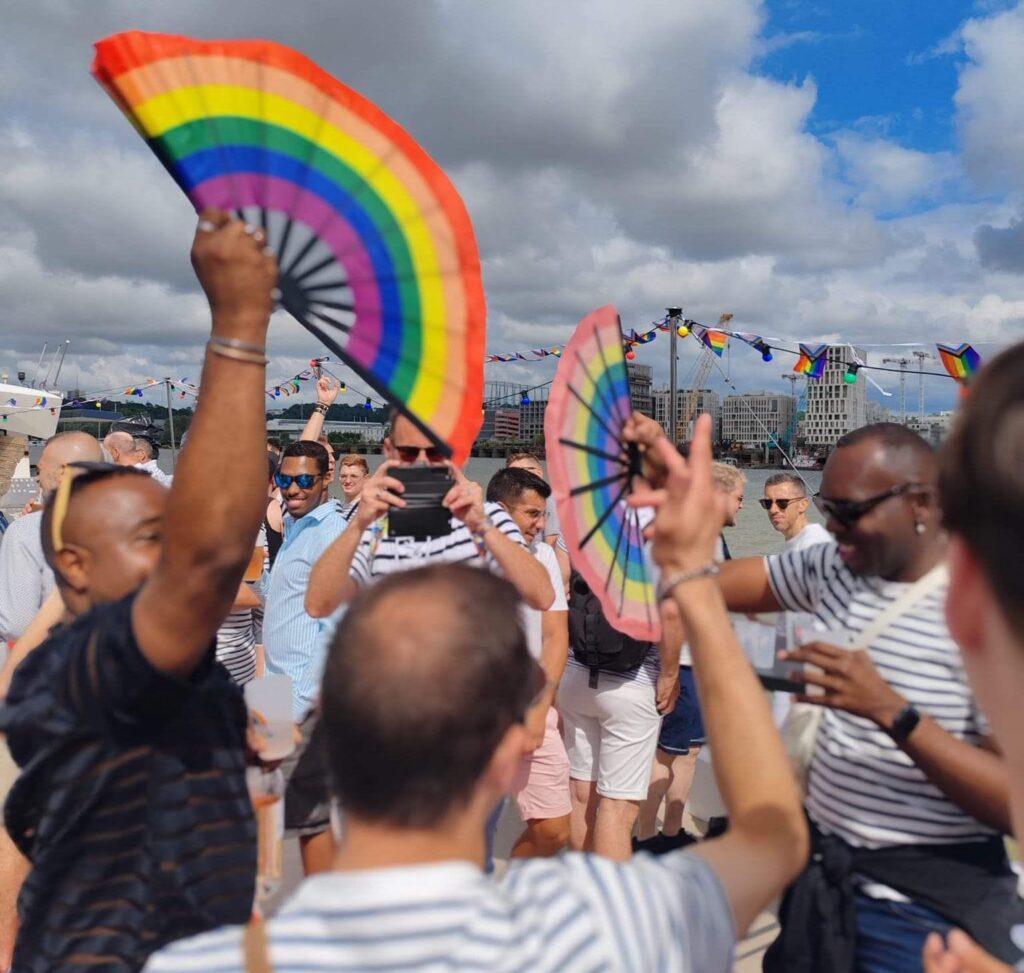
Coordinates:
683 331
630 354
851 373
524 399
367 404
765 349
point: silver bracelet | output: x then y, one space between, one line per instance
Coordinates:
237 343
681 577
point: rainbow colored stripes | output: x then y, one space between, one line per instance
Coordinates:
254 124
961 362
812 360
715 340
590 474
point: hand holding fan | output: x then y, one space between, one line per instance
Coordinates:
376 252
592 469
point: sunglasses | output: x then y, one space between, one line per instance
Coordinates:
304 480
848 512
411 454
781 504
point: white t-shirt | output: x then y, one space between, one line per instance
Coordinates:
789 625
531 617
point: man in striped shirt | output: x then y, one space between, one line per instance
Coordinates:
902 764
482 534
424 695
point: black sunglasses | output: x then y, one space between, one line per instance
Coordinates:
304 480
848 512
411 454
781 504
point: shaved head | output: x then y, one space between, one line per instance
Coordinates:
428 670
64 448
121 447
111 535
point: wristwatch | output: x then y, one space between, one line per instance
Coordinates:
905 723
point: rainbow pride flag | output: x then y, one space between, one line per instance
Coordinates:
961 362
812 360
715 340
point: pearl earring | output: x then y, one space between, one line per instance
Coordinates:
919 527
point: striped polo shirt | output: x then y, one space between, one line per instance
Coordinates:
379 555
572 914
862 787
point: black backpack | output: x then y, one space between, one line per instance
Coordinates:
594 643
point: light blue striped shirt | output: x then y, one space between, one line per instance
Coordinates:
293 639
572 914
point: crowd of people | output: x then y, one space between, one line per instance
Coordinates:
432 678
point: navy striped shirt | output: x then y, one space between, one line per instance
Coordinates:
573 914
862 786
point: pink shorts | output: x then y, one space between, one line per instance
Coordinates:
542 785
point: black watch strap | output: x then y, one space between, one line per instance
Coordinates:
905 723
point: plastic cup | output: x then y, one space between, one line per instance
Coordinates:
269 700
841 637
255 569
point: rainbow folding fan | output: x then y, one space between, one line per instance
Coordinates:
592 470
376 251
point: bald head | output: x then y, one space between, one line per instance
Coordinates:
110 535
895 447
121 448
67 447
428 671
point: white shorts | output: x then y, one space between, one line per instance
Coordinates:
611 732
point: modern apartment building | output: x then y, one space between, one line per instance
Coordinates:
755 418
835 406
707 401
640 377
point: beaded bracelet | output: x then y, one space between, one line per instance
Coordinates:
681 577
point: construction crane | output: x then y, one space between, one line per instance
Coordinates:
705 363
789 437
903 363
922 357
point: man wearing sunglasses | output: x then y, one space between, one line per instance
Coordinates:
293 640
902 784
482 534
786 503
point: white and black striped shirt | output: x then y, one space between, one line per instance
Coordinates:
862 787
573 914
378 554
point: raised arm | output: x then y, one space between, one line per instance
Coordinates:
767 841
330 582
327 390
219 492
743 582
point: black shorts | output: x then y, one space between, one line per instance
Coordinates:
307 803
684 726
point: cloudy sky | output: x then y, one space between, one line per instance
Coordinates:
823 174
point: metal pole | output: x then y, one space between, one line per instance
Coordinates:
170 421
674 314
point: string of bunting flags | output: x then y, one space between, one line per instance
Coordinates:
961 362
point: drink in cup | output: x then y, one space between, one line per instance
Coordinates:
255 569
839 637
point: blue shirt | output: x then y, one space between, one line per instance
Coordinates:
292 638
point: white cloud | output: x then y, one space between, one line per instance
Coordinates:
887 176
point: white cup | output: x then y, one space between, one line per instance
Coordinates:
269 700
840 637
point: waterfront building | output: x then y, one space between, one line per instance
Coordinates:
640 378
708 401
835 406
755 418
